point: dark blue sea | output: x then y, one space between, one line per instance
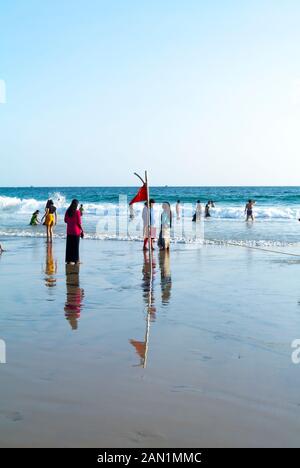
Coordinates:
276 211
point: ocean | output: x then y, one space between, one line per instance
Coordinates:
106 213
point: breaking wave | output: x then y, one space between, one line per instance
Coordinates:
15 205
177 240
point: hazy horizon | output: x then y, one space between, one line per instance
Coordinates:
151 185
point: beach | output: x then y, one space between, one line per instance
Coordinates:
128 124
89 364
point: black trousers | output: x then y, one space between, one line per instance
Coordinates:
72 249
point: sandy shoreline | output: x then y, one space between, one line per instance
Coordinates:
219 370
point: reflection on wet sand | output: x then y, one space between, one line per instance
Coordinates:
50 267
74 296
165 275
141 347
147 284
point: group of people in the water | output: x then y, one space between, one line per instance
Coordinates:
166 220
211 204
74 230
165 226
199 210
49 218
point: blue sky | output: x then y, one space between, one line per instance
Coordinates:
197 92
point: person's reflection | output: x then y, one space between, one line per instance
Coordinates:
165 274
147 284
141 347
50 267
74 297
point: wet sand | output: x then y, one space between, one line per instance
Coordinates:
216 370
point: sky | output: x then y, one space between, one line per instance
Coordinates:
197 92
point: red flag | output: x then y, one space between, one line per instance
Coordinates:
141 195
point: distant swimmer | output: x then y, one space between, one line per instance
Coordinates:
178 209
207 210
1 250
249 210
81 209
131 212
34 218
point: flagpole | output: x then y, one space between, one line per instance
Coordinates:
149 306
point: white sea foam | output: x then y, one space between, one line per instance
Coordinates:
24 206
177 240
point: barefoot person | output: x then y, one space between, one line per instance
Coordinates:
74 232
249 210
166 224
50 219
152 224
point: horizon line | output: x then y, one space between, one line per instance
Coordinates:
134 186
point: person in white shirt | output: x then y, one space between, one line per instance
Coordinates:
152 224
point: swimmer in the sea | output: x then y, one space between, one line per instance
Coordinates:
207 209
34 218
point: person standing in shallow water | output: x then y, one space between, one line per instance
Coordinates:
152 224
198 211
178 209
249 210
165 228
50 219
74 232
207 210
